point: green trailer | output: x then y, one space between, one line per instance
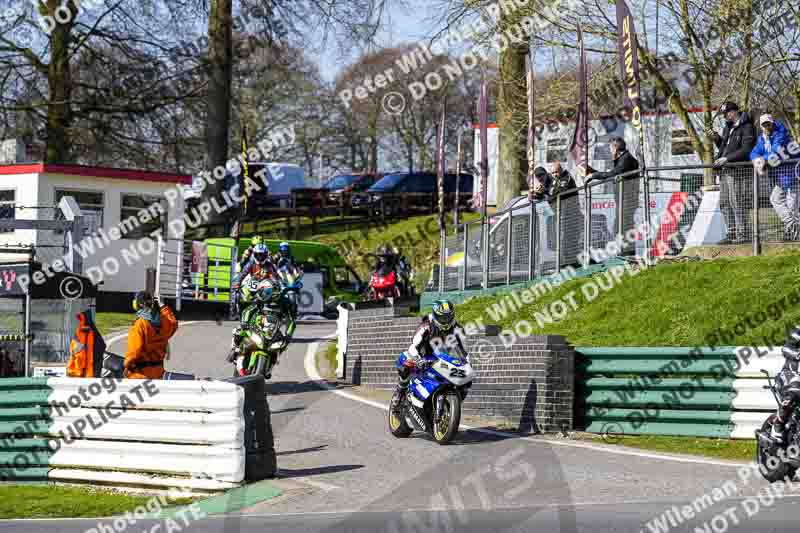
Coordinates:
340 281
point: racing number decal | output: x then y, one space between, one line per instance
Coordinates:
457 373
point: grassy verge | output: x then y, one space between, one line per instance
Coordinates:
416 237
671 304
734 450
326 360
109 321
48 501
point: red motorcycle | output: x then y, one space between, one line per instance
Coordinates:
382 285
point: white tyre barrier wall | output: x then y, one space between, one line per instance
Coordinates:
753 403
181 429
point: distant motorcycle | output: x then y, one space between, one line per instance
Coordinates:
434 397
406 277
382 285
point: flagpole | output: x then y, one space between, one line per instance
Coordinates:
482 113
458 186
440 176
529 79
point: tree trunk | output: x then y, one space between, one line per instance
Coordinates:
511 118
748 55
220 68
59 79
795 127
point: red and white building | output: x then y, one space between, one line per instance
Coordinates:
106 196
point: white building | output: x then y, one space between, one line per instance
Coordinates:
109 199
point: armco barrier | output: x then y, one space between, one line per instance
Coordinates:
529 384
670 391
177 433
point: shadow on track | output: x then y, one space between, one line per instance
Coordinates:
284 473
304 450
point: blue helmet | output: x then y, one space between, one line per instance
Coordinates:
261 253
283 248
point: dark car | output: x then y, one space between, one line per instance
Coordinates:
349 189
403 192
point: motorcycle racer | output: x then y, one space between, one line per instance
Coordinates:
439 328
790 392
249 252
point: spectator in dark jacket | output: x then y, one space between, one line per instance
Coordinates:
541 184
624 163
560 179
572 220
735 184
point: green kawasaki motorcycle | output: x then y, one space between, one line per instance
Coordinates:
267 323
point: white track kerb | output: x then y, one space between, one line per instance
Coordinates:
313 374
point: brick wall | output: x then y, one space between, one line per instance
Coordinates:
530 384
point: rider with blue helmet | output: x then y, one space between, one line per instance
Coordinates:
284 256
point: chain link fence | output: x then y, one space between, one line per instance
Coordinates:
643 214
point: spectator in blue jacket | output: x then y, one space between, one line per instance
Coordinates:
767 157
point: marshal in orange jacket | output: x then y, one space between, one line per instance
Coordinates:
147 343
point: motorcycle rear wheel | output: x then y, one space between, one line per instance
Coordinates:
446 427
776 473
398 426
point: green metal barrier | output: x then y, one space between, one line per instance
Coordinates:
669 391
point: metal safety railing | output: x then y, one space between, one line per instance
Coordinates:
646 214
194 271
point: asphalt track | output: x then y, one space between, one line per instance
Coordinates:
341 471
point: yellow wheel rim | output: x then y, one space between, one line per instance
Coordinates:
443 422
394 421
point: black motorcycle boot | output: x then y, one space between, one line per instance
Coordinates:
777 431
401 389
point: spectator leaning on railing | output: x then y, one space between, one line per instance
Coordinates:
560 179
623 162
775 139
736 195
541 184
572 218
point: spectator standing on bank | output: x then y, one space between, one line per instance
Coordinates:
735 186
773 141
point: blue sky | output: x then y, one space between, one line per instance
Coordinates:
412 23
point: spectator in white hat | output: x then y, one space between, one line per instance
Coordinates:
767 158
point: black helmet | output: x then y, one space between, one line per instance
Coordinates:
443 314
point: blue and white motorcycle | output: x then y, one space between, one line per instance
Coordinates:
434 397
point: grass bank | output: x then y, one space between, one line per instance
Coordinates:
671 304
734 450
107 322
417 238
48 501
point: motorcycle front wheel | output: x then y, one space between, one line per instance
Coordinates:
397 420
771 466
445 426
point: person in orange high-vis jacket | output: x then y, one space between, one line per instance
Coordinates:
86 349
148 338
